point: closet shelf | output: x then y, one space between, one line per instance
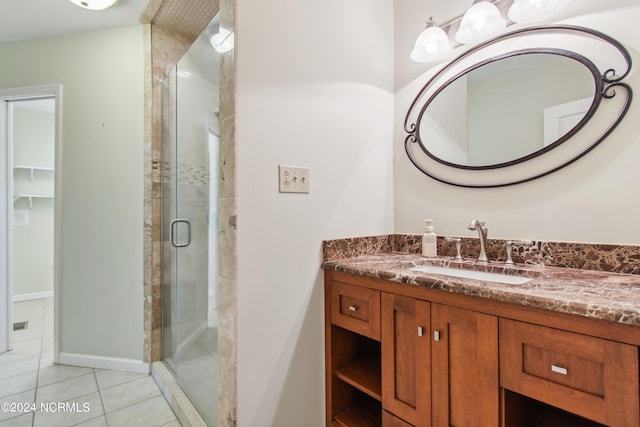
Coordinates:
31 197
31 169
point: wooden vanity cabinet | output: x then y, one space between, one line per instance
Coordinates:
405 356
437 365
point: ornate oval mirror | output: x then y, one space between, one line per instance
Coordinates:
511 115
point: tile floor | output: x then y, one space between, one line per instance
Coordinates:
93 397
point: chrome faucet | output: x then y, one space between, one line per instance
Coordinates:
482 233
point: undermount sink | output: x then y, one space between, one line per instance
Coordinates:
484 276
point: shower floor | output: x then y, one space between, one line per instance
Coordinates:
197 373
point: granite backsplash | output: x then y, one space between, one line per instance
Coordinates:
585 256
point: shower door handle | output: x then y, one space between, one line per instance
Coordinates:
173 226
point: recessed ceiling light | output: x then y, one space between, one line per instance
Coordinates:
95 4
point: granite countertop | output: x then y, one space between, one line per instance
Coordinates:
595 294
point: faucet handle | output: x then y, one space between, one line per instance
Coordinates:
475 223
510 244
458 242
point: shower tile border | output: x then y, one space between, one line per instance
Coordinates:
177 399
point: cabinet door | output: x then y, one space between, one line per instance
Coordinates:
464 368
406 383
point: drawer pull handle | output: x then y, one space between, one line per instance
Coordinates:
436 335
559 370
420 331
353 308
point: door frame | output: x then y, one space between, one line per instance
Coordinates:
6 210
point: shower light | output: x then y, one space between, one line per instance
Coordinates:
95 4
222 41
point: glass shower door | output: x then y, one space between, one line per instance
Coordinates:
189 227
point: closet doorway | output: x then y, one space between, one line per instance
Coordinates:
29 220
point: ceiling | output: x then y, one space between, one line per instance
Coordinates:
32 19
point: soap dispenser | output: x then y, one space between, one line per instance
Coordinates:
429 240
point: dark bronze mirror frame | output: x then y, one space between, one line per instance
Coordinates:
605 88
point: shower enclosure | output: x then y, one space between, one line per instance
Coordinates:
190 147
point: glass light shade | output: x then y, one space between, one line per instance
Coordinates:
524 11
431 45
222 41
480 22
95 4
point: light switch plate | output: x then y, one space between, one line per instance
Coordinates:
293 179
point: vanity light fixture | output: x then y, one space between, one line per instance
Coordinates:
95 4
483 20
480 22
432 44
525 11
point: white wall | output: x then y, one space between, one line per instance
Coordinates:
33 145
102 181
593 200
311 92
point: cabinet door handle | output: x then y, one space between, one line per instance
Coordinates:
420 331
559 370
436 335
353 308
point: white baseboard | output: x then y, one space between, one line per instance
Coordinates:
101 362
35 295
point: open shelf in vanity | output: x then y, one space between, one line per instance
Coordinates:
355 379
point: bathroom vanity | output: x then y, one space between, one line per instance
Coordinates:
408 347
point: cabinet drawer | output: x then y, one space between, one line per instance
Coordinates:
356 308
591 377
